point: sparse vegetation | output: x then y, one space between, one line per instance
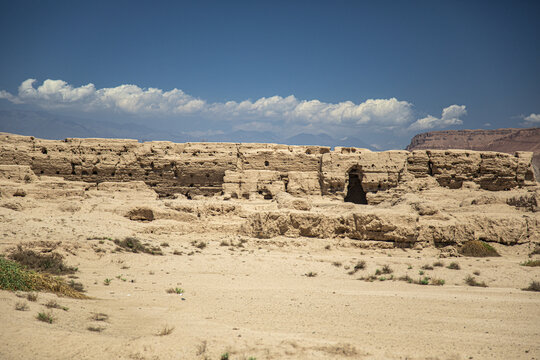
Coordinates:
386 269
327 247
164 244
166 330
32 297
95 328
454 266
175 291
406 278
531 263
52 304
224 356
99 317
421 272
51 263
21 306
477 248
311 274
46 317
360 265
471 281
438 263
533 286
337 264
198 244
427 267
76 285
15 277
437 282
107 282
134 245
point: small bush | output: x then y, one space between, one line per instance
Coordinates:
532 263
198 244
95 328
360 265
311 274
378 272
427 267
533 286
477 248
32 297
175 291
21 306
471 281
52 304
437 282
164 244
327 247
438 264
107 282
99 317
386 269
224 356
406 278
454 266
51 263
134 245
337 264
423 281
166 330
77 286
46 317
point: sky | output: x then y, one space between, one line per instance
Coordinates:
378 72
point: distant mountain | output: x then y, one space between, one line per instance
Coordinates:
503 140
52 126
325 140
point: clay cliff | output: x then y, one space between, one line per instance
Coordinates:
396 198
261 170
502 140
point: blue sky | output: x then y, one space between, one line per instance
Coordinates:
379 71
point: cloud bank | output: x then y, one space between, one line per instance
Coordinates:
532 120
131 99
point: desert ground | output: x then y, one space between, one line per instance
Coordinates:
209 291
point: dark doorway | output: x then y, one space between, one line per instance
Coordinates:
355 191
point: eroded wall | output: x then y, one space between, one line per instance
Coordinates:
259 170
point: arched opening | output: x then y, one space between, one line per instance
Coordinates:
355 191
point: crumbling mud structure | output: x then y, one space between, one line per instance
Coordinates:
438 197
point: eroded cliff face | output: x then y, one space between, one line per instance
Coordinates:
501 140
261 170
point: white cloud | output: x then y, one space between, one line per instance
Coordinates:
532 119
450 116
135 100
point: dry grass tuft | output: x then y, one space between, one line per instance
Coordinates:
471 281
21 306
311 274
51 263
52 304
533 286
454 266
477 248
46 317
166 330
134 245
531 263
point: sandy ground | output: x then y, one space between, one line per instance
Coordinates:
254 299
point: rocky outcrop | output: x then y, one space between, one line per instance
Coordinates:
252 171
500 140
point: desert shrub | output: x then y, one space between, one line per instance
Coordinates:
52 304
386 269
21 306
198 244
406 278
45 317
175 291
427 267
76 285
166 330
224 356
533 286
477 248
438 263
134 245
99 317
51 263
32 297
454 266
532 263
15 277
337 264
311 274
95 328
437 282
360 265
471 281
